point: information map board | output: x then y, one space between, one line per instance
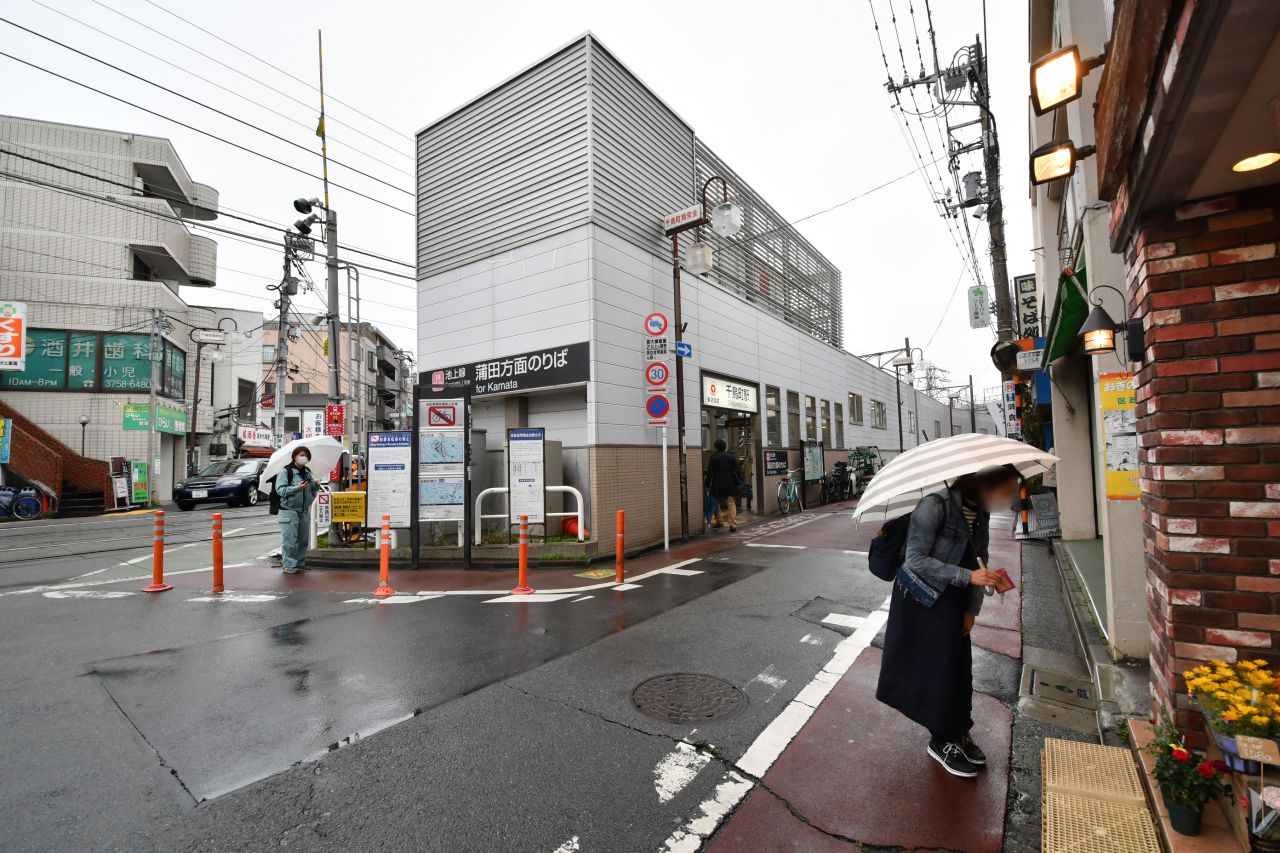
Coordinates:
526 475
442 438
389 468
814 466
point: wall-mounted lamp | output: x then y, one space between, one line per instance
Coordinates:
1056 77
1099 331
1057 159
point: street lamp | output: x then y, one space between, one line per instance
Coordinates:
1057 159
202 338
1056 77
1099 331
84 423
900 361
726 221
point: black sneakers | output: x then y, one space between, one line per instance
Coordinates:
972 751
951 756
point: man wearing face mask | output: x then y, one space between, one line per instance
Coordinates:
297 490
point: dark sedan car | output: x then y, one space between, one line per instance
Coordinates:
234 482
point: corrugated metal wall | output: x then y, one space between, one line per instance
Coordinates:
508 168
642 156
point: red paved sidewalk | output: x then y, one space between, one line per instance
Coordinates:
857 772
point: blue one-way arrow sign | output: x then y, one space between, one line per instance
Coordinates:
684 350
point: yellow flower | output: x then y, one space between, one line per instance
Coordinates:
1261 721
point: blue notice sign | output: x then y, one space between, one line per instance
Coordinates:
389 439
684 349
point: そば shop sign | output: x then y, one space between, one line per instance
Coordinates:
545 368
721 393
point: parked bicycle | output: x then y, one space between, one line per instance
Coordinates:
839 483
23 504
789 493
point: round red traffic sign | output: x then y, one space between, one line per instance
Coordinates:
656 324
656 374
657 406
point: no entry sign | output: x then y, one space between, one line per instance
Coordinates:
656 374
657 407
655 324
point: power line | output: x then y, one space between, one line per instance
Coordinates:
195 129
235 70
231 91
276 67
199 103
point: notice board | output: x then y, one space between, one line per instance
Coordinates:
388 467
527 475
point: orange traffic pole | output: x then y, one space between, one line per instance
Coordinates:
522 583
217 552
384 560
157 556
620 570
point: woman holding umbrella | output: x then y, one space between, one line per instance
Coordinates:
953 485
297 490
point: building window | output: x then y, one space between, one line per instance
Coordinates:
268 354
911 423
855 408
839 424
268 389
955 429
371 395
810 418
793 418
879 415
369 360
772 416
937 429
302 387
826 423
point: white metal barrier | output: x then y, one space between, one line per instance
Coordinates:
502 490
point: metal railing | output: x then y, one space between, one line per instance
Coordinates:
502 490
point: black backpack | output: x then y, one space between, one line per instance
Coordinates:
273 502
888 551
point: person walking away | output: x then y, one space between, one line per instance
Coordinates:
297 490
926 671
722 477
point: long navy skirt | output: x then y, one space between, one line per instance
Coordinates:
926 671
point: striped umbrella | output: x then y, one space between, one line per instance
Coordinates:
900 485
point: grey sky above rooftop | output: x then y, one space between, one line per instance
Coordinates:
791 96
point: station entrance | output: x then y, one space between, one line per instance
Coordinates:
730 412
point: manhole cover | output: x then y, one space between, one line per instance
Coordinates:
687 697
1066 689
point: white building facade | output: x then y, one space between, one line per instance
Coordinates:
541 252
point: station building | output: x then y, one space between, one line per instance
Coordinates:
541 251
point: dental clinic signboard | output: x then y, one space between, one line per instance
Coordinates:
545 368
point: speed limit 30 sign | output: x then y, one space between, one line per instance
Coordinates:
657 374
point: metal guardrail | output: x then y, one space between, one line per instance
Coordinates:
502 490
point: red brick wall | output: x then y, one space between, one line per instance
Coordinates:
37 455
1205 278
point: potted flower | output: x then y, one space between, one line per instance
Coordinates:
1187 781
1237 699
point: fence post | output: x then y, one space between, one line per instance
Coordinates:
217 552
157 556
620 569
384 559
522 580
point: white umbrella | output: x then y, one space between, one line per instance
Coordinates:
900 485
325 453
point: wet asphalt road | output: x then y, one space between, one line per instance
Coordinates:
464 725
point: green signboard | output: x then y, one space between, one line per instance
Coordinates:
141 485
97 361
135 416
172 421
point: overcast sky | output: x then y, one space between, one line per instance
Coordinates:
790 95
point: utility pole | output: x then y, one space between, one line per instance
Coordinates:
973 410
331 263
681 443
153 452
995 206
282 344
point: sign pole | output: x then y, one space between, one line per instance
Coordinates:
415 523
680 437
666 499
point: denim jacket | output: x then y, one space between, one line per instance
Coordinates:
936 542
294 495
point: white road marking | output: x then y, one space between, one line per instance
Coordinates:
93 594
770 743
570 846
857 553
623 587
233 597
682 572
584 598
841 619
677 769
771 545
78 584
532 597
811 640
772 681
407 598
689 838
